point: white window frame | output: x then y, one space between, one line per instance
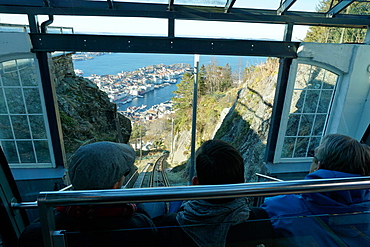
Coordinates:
287 105
37 164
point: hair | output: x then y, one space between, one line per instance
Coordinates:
218 162
344 154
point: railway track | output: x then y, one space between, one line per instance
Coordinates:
158 177
154 175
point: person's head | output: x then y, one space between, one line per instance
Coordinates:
344 154
100 165
218 162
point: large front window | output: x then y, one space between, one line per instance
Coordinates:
23 126
305 119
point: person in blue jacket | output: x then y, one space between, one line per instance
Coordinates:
344 220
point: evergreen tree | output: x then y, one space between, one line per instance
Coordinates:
335 34
183 101
202 90
226 78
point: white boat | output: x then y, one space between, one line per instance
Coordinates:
79 72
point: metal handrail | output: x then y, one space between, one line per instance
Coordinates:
201 192
56 198
48 200
130 179
29 205
268 177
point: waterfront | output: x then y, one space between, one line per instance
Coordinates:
111 64
123 75
152 98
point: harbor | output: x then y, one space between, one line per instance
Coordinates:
128 89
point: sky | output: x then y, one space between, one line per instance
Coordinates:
183 28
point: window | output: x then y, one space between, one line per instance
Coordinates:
307 113
23 125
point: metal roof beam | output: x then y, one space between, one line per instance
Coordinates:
338 8
110 4
229 5
136 44
170 5
124 9
285 6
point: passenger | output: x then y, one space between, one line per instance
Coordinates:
344 223
99 166
216 222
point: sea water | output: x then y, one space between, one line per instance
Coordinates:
113 63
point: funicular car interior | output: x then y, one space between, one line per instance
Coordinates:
347 111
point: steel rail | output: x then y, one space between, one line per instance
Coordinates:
164 176
144 171
157 166
151 180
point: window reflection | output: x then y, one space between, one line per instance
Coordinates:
23 134
312 95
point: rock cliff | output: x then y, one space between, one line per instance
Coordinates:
86 113
247 123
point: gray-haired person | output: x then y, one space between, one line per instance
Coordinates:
99 166
330 218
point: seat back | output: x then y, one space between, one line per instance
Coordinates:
257 230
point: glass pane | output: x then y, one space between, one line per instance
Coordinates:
26 152
314 143
218 3
288 147
10 77
316 78
297 102
10 151
319 125
312 97
301 147
15 100
5 128
1 74
302 76
20 126
27 72
42 151
33 102
330 80
325 101
37 127
2 103
306 125
293 122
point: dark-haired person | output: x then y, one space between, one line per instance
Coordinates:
216 222
99 166
342 221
